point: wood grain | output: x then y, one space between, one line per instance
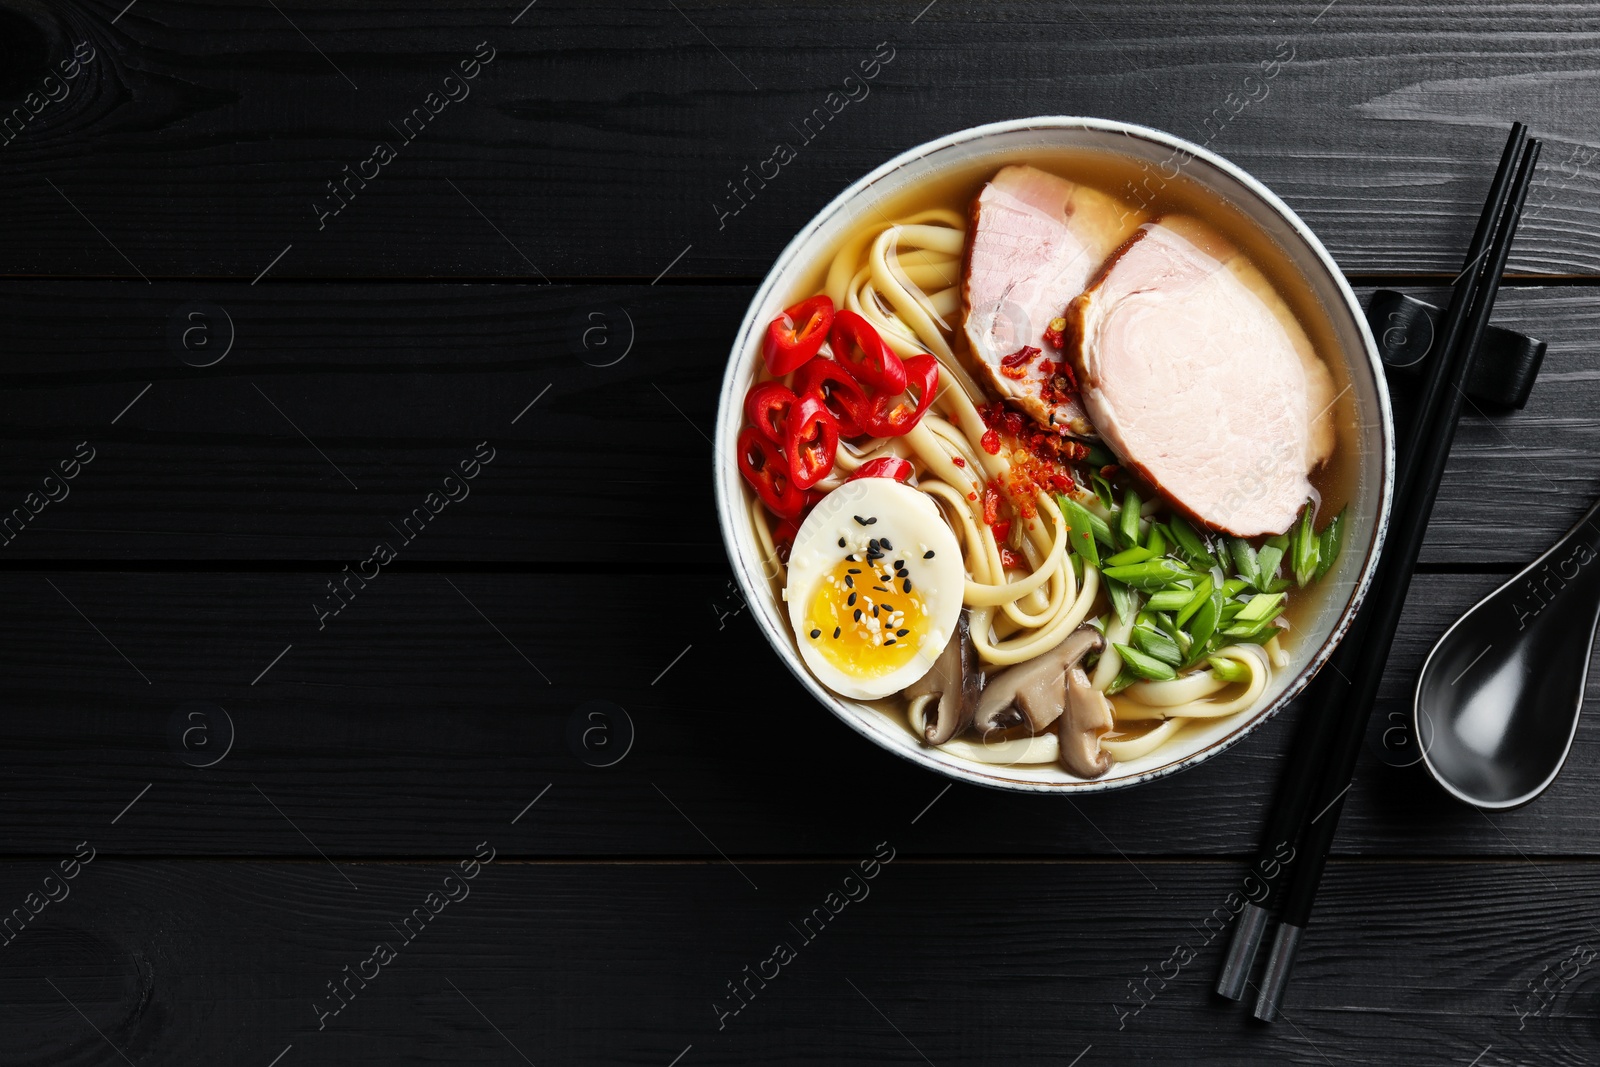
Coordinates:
433 698
200 139
194 962
391 385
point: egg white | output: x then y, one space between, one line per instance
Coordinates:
912 523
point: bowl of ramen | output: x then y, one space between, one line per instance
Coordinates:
1054 455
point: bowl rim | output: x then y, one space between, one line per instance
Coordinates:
731 505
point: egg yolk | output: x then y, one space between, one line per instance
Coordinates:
867 618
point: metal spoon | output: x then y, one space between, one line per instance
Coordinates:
1498 700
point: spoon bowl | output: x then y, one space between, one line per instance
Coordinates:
1498 700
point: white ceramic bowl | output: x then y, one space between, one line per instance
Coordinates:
1005 142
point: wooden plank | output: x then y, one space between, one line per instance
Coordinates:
184 962
203 141
392 386
433 698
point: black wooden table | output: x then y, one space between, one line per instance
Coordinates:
286 282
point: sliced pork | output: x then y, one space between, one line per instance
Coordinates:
1036 240
1197 375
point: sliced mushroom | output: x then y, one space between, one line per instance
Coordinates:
1087 719
1035 692
956 681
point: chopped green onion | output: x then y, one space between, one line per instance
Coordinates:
1085 528
1228 670
1255 633
1121 599
1124 678
1157 644
1307 549
1277 541
1156 543
1202 593
1184 536
1173 599
1145 666
1103 490
1244 560
1099 457
1261 606
1151 575
1233 587
1267 566
1128 520
1136 554
1331 541
1204 624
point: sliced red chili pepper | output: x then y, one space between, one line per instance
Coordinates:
797 335
990 442
991 506
1002 530
859 350
1020 358
894 414
845 399
810 440
883 467
1012 559
1055 333
763 466
766 407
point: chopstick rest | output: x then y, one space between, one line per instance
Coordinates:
1405 329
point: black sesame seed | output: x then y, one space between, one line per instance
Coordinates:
880 589
872 520
885 543
859 520
889 642
928 554
901 633
887 606
906 585
851 602
841 542
836 632
858 615
873 543
849 581
855 570
815 634
899 564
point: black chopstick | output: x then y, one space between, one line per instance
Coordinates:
1355 686
1280 843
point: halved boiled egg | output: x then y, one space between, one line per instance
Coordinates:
875 587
